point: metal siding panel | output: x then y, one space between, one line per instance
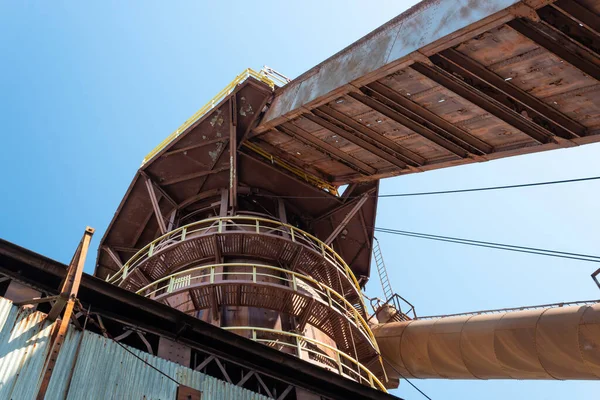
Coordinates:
103 369
22 351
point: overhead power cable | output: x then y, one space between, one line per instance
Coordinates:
439 192
493 245
403 377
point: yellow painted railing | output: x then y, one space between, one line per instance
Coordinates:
362 374
312 179
238 224
209 106
184 279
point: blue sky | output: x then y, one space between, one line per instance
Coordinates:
86 90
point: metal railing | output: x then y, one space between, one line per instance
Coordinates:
238 224
208 275
209 106
310 178
524 308
344 364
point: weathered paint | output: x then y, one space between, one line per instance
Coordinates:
102 370
412 30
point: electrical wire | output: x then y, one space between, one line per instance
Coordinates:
439 192
403 377
493 245
105 332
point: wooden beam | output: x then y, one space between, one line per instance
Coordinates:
401 152
194 175
558 43
161 222
319 118
430 120
483 101
347 218
506 93
325 148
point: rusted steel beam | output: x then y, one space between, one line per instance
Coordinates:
122 249
482 100
347 219
432 121
403 153
338 207
506 93
233 173
159 218
571 26
158 188
194 175
319 118
558 43
192 147
390 107
382 106
325 148
578 12
66 300
70 285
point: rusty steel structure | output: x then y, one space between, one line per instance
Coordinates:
239 218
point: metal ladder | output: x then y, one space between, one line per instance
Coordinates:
382 271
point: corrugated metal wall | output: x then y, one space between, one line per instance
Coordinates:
102 370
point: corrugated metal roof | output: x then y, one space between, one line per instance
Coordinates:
102 370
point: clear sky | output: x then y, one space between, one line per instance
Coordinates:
86 90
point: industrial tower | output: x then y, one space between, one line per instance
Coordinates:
257 215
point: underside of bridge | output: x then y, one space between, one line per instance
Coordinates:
257 215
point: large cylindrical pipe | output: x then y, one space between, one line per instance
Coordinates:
546 343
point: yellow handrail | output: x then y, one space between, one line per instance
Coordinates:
328 290
372 378
312 179
292 229
208 106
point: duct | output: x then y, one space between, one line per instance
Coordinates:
544 343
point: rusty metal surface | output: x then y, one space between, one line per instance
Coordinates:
446 83
543 343
419 26
190 172
154 318
102 369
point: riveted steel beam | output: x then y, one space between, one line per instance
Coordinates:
485 102
401 152
558 43
324 147
506 93
319 118
428 119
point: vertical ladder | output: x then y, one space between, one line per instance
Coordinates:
382 271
